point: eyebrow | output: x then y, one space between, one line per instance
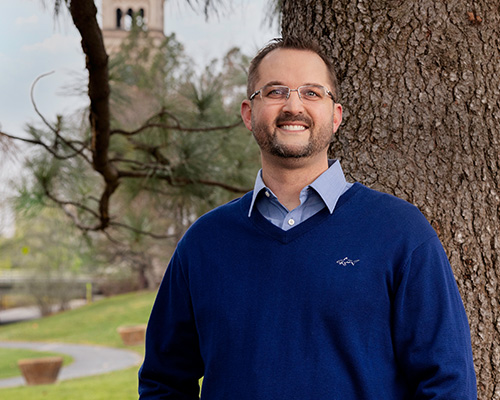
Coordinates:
272 83
280 83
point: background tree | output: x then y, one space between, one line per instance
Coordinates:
174 140
420 88
190 155
50 256
95 148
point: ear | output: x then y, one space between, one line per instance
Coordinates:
246 113
337 116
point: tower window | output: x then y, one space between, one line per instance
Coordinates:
118 18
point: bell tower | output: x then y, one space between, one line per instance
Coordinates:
118 16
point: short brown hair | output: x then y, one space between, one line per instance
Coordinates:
295 43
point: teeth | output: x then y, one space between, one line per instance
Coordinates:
293 127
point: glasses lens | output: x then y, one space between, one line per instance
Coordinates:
274 93
312 93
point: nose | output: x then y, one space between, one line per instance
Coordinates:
293 104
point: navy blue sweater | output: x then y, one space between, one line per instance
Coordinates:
359 304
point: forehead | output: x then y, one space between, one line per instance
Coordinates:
292 68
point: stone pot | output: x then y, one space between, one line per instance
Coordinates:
39 371
132 335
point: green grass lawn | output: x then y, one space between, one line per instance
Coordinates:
95 323
119 385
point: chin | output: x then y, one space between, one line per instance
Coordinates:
288 152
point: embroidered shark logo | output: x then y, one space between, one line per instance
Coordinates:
346 261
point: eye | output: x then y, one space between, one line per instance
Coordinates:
275 92
311 93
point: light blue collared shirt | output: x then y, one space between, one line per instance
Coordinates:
323 192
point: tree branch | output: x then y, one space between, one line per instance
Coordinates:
176 127
56 130
140 231
182 181
36 142
84 14
32 96
66 205
50 149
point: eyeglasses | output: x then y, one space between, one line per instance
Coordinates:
277 94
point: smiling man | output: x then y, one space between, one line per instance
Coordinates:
308 287
291 129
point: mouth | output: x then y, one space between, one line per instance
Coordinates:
297 123
294 128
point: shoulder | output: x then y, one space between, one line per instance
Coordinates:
383 201
389 212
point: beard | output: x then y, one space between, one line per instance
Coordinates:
266 137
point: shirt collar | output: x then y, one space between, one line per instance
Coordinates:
329 185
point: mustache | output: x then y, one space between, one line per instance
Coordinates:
284 118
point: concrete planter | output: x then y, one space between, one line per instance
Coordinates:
40 371
132 335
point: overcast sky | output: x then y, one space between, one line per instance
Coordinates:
32 43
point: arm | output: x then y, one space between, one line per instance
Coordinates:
431 331
172 365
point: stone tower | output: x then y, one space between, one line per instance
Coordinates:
117 19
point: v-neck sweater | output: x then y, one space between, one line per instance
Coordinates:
357 304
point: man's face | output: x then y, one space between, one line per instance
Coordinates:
293 129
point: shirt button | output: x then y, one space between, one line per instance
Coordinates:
291 222
267 193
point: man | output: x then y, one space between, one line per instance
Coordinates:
307 287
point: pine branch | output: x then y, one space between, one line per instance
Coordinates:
182 181
50 149
67 205
140 231
175 127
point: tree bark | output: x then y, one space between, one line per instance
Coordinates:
420 86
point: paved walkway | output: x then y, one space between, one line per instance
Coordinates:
17 314
88 360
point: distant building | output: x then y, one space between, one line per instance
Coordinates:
118 15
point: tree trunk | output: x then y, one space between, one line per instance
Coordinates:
84 14
420 86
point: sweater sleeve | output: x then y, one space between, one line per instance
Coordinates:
430 328
172 364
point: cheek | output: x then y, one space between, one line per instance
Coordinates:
323 118
265 115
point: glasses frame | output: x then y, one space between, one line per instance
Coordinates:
259 92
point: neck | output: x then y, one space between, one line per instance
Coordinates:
287 177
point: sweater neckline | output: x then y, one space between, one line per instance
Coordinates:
276 233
